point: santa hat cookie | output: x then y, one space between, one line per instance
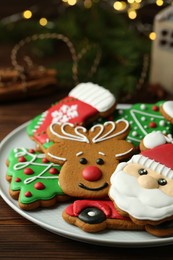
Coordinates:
85 103
154 139
167 110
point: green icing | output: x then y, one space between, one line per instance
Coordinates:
141 118
27 182
33 124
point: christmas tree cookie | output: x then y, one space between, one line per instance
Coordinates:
143 119
33 179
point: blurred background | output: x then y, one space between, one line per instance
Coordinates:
111 43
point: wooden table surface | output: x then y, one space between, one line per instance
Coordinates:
22 239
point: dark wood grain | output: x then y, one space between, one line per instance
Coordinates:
22 239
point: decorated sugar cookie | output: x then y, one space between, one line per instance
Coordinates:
144 119
96 215
85 103
142 188
166 110
33 179
88 157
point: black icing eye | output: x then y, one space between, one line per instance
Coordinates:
142 171
162 182
83 161
100 161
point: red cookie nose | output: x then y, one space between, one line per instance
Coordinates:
91 173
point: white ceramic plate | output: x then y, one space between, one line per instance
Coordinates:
51 219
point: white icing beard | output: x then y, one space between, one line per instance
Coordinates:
140 203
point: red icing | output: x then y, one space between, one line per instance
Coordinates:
28 171
39 186
28 194
22 159
91 173
45 160
53 171
155 108
17 179
84 111
31 150
106 206
162 154
153 125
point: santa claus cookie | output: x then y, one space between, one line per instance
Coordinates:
84 103
33 179
96 215
88 157
142 188
143 119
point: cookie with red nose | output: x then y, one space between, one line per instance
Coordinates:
142 188
88 156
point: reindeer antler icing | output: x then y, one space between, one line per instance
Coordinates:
81 137
78 137
99 137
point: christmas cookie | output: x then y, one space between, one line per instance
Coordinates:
88 157
144 119
142 188
96 215
33 179
166 110
85 103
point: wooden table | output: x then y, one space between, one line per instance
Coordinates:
22 239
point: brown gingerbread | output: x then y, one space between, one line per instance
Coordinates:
88 157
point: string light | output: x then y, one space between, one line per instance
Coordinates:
119 5
152 36
159 2
132 14
72 2
27 14
43 21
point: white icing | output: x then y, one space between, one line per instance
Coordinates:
82 138
143 106
168 108
141 203
21 165
125 153
94 95
101 153
56 157
154 139
99 137
79 153
78 137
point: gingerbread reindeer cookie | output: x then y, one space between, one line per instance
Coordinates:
88 157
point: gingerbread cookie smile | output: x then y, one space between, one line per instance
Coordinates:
81 185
